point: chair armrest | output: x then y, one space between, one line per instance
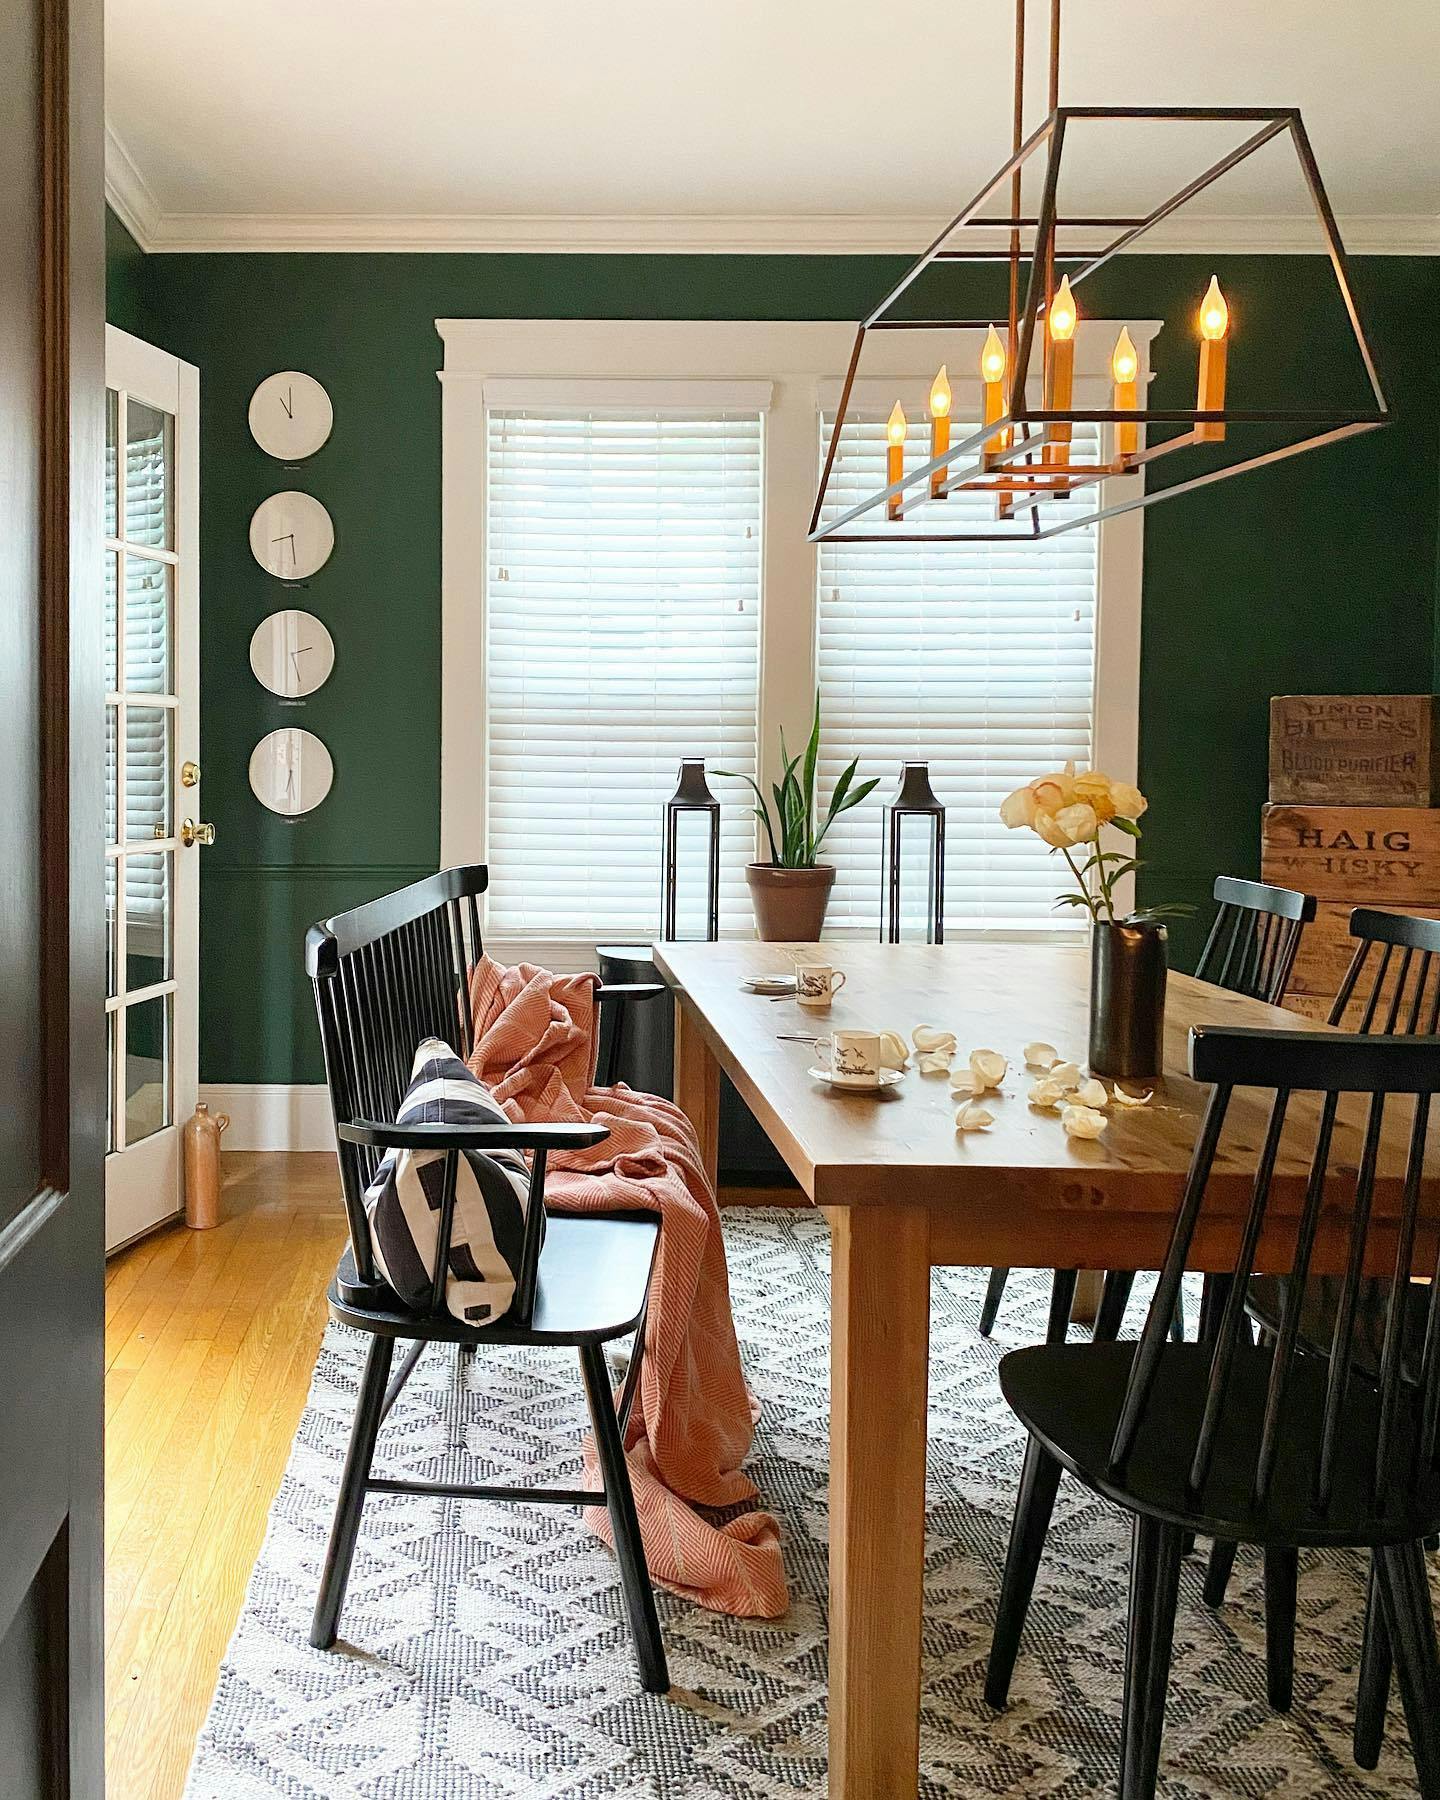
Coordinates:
623 992
436 1136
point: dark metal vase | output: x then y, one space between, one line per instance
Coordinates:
1127 999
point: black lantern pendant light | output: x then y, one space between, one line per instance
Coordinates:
692 795
914 799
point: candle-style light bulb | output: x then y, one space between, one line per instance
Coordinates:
1214 313
992 358
1062 314
1124 369
992 373
895 459
1214 323
1060 371
940 398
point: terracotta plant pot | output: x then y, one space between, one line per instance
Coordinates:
789 903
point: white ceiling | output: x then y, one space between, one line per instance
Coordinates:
845 124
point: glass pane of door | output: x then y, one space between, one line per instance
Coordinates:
140 572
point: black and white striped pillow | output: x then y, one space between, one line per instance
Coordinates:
403 1201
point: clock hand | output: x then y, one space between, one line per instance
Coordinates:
289 404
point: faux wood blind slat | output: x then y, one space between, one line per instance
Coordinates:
978 658
622 622
144 620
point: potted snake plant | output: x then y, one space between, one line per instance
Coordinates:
791 891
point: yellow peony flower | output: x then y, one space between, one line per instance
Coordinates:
1079 822
1097 790
1128 800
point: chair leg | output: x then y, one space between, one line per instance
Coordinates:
1405 1593
1062 1303
620 1500
1217 1571
1177 1321
994 1294
1154 1588
1373 1694
340 1552
1114 1298
1281 1576
1034 1503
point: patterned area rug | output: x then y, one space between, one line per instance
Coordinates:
485 1656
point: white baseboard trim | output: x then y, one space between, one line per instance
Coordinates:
272 1115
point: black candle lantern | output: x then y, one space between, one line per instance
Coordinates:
914 799
692 795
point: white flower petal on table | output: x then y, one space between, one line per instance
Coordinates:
893 1054
933 1062
974 1117
1048 1093
965 1081
1092 1093
1067 1074
988 1067
1124 1099
930 1037
1041 1056
1082 1121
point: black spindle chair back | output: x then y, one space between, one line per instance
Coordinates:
1388 1426
1253 941
1393 982
386 976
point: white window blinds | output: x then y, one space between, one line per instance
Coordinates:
622 634
978 658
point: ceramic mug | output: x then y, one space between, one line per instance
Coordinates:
853 1056
817 984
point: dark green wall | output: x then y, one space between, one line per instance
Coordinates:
1318 577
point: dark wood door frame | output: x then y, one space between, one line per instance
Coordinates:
52 1045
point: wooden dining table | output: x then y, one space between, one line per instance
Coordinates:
903 1191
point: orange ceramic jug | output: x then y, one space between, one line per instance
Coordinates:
202 1167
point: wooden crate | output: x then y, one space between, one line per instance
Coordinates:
1387 856
1355 749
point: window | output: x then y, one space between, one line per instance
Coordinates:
978 658
637 588
622 602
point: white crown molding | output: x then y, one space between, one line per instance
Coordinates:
129 194
680 234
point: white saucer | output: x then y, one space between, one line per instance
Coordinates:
769 984
888 1079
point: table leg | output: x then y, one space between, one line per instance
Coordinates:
697 1087
1087 1296
879 1373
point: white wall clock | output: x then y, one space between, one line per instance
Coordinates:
290 415
291 771
292 654
291 535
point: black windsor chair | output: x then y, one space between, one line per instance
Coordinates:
1246 1442
386 976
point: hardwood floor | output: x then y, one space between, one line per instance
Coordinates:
211 1338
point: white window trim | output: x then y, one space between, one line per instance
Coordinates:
622 362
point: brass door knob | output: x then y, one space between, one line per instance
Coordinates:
191 833
189 774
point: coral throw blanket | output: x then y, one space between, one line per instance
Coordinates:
693 1419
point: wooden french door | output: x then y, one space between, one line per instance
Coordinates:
153 828
52 970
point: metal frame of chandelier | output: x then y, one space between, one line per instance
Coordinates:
1022 453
